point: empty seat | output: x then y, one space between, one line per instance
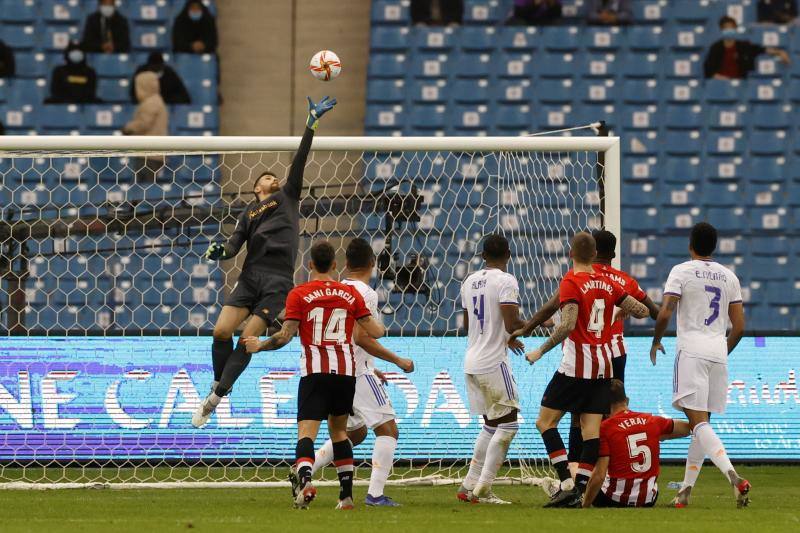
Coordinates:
561 38
768 218
390 12
387 91
681 117
27 91
429 91
149 38
429 39
470 116
20 37
681 91
547 66
189 118
114 90
474 65
61 117
683 66
18 11
765 91
726 116
724 143
431 66
767 169
640 91
518 66
428 116
641 65
105 116
770 36
682 142
196 66
721 195
645 38
648 11
726 218
723 91
481 12
723 168
477 38
148 11
766 142
31 65
387 65
112 65
771 116
686 38
56 38
596 38
514 117
764 194
519 38
516 91
471 91
555 91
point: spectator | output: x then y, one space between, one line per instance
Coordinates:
173 91
74 82
195 30
437 12
7 66
610 12
150 118
535 12
777 11
106 30
733 59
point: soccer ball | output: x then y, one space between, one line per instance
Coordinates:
325 65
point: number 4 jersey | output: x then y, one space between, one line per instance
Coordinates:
588 350
705 289
327 312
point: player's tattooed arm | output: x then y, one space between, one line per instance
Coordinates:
276 341
542 315
736 316
662 321
652 307
633 307
569 317
596 481
372 327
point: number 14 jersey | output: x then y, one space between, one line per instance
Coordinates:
588 350
705 289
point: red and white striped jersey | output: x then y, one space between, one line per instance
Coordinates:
327 312
632 288
587 352
631 441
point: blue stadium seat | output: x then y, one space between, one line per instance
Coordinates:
696 12
768 67
682 142
641 65
429 91
597 65
386 91
62 11
481 12
471 117
771 245
554 117
648 11
20 37
27 91
114 90
428 116
473 65
546 66
764 194
724 168
766 91
726 219
768 218
561 38
767 142
686 38
725 143
390 12
18 11
430 66
640 91
105 116
148 11
196 66
770 36
640 168
721 195
61 117
647 219
723 91
519 38
112 65
602 91
681 117
601 39
57 37
683 65
31 65
555 91
477 38
641 118
194 119
149 38
514 117
429 39
634 194
771 116
768 169
681 91
387 66
726 116
645 38
516 91
471 91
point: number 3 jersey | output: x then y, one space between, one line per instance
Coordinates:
482 294
631 441
705 289
588 350
327 312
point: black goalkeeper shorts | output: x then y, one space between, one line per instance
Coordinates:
323 395
262 293
578 395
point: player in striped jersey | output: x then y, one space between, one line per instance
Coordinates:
371 406
626 472
582 382
325 312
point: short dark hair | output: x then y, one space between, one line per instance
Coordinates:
359 254
583 247
703 239
618 392
495 246
265 173
606 243
323 255
727 20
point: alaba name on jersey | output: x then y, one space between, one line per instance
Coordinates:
632 289
365 363
588 351
631 441
327 312
705 289
482 294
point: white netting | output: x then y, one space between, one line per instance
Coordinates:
109 245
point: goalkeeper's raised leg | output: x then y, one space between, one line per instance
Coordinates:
270 227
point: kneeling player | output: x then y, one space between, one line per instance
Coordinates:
325 312
626 472
490 298
371 407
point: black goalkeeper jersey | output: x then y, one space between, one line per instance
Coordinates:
271 228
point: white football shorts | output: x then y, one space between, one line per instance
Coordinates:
492 395
699 384
371 404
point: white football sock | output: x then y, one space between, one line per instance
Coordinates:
713 448
382 461
323 457
694 462
478 456
497 450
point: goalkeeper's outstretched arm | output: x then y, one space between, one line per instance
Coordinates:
294 181
218 250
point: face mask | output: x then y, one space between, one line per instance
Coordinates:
729 34
107 11
75 56
195 15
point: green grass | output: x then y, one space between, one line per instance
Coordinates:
774 507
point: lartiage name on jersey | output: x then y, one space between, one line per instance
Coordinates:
596 284
320 293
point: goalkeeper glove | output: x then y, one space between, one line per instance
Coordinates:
315 111
215 251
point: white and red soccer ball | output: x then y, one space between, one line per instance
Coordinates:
325 65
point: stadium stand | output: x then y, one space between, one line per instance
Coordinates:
718 146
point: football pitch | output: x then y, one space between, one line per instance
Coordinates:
775 507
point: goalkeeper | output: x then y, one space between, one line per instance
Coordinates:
270 226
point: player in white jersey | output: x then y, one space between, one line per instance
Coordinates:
490 298
708 299
371 406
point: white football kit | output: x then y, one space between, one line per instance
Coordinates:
491 387
371 404
705 289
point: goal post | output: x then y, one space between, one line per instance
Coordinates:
106 305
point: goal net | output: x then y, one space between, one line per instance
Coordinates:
107 306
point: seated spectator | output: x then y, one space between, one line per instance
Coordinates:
75 82
777 11
173 91
733 59
535 12
195 30
610 12
7 66
437 12
106 30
